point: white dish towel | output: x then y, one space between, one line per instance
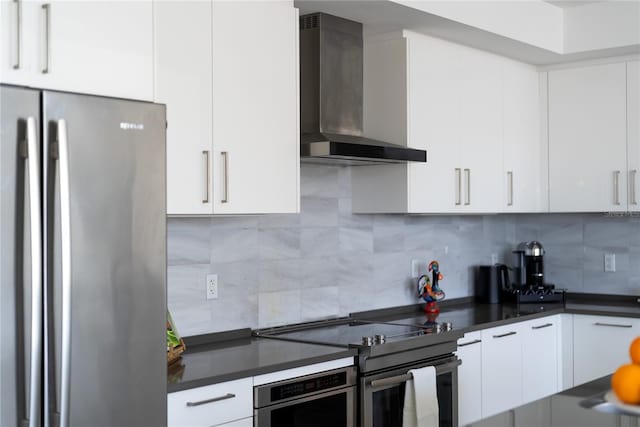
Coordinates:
421 399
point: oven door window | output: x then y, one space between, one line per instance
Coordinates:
387 403
335 409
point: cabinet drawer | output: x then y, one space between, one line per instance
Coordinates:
211 405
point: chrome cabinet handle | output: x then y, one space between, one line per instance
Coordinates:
207 176
47 37
225 197
33 162
65 237
546 325
505 335
616 187
458 173
613 325
214 399
18 3
510 177
467 173
632 186
469 343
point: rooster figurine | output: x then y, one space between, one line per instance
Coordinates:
429 289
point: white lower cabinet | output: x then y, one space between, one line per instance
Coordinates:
539 358
600 345
470 378
502 363
211 405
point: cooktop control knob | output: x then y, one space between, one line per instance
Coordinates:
380 339
447 326
368 341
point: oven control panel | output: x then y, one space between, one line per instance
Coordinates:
308 386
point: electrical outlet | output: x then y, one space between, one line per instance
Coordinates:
212 286
609 263
415 268
494 259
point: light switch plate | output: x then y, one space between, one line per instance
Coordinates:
415 268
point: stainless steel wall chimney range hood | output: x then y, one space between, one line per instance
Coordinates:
331 104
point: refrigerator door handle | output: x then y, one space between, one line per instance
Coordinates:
65 234
35 371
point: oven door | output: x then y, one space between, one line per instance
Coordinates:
382 394
336 409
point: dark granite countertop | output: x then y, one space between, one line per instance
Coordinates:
237 355
205 364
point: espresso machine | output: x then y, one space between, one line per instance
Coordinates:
530 284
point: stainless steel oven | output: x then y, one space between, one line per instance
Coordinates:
382 393
318 400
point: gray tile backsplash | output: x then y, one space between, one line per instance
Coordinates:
326 262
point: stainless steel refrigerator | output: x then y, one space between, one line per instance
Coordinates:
82 260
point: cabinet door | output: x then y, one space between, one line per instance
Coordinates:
522 172
540 358
183 69
601 345
633 132
587 139
97 47
18 23
501 369
480 131
470 378
433 97
255 107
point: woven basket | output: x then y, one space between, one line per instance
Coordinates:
174 353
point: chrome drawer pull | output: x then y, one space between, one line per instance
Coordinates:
207 176
469 343
214 399
458 173
546 325
504 335
616 188
613 325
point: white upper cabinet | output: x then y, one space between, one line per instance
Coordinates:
450 100
522 189
633 132
183 70
256 149
95 47
587 139
232 105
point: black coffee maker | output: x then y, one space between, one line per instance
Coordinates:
530 284
530 264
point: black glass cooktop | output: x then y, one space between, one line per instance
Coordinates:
349 334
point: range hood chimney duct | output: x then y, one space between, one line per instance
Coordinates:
331 97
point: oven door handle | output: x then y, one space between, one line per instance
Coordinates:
399 379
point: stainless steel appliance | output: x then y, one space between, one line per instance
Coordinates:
82 260
386 352
318 400
331 97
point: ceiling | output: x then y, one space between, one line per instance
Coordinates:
571 3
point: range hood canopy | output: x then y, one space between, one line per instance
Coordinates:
331 97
